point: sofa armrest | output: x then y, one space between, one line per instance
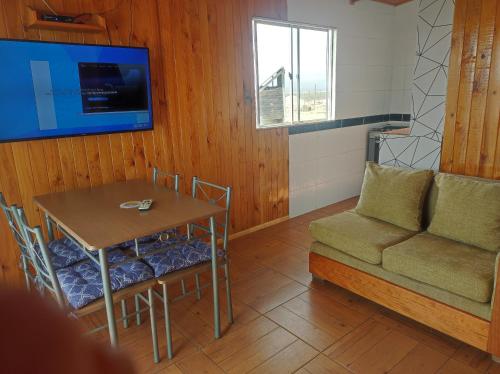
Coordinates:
495 281
494 333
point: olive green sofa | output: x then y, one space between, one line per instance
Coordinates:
418 273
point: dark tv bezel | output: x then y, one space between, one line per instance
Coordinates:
89 133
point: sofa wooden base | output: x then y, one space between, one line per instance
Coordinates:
449 320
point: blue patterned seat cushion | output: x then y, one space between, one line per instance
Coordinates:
82 283
64 252
179 257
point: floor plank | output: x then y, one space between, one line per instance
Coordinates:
237 340
378 359
251 356
473 357
287 360
456 367
440 342
355 344
318 317
421 359
198 363
323 365
307 331
268 291
345 314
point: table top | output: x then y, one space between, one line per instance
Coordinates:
93 215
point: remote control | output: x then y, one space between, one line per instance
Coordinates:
145 204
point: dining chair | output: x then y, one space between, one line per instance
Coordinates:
191 255
165 179
63 252
79 286
140 245
206 190
16 233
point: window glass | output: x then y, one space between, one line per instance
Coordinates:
293 67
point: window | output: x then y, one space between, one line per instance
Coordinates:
294 73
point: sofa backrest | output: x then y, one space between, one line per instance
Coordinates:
432 194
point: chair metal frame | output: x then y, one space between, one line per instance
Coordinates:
157 174
211 229
16 232
47 279
198 185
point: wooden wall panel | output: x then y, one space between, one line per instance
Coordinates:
204 110
471 141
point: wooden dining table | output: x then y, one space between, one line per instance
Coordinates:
93 218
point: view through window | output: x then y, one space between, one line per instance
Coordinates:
294 67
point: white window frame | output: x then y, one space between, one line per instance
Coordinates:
331 65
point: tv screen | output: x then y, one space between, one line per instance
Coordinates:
56 89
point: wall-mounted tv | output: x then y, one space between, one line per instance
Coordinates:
52 90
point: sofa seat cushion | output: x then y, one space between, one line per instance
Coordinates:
82 283
181 256
456 267
361 237
482 310
63 252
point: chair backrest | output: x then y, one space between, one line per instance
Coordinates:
38 255
214 194
170 179
16 232
18 237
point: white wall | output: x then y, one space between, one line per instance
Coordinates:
404 41
326 167
373 77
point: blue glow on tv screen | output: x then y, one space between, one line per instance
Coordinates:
52 90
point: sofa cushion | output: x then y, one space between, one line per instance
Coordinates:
482 310
362 237
394 195
456 267
180 256
467 210
63 252
82 283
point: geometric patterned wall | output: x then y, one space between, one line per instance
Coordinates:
422 148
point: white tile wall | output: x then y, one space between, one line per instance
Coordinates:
326 167
404 39
375 55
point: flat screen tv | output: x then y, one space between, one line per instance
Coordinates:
52 90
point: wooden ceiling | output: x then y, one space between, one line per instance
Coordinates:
389 2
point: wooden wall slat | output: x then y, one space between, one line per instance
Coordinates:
480 88
471 136
492 119
466 84
93 160
169 92
105 160
457 41
204 110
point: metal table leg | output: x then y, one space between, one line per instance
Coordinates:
108 297
215 280
50 228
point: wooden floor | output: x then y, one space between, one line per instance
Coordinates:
285 322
